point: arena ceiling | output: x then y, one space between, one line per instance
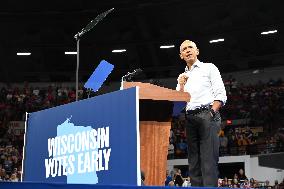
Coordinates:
47 29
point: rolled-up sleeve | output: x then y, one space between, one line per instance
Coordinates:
218 87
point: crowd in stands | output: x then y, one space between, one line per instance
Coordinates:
260 107
14 103
10 163
239 180
256 109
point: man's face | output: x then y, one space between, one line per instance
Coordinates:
188 51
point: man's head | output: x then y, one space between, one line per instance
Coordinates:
241 171
189 51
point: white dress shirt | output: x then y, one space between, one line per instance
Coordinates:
204 84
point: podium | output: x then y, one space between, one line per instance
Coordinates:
155 112
90 141
85 142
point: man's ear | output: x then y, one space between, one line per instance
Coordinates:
180 56
197 51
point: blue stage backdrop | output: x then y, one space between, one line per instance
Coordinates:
92 141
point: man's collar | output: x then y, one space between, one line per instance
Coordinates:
196 63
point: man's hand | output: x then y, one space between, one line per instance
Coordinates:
182 79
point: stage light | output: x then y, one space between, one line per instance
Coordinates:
255 72
70 52
268 32
216 40
24 53
118 50
166 46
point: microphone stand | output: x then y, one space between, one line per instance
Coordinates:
80 34
123 79
77 67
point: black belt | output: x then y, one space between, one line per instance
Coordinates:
198 110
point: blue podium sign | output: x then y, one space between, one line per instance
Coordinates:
92 141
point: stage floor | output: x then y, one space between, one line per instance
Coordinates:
28 185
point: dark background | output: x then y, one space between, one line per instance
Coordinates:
47 29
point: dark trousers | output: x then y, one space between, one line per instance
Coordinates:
203 148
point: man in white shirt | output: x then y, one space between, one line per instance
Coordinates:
204 83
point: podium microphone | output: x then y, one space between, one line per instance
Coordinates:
130 74
136 71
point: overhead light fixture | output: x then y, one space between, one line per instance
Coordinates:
118 50
24 53
216 40
268 32
255 72
70 52
166 46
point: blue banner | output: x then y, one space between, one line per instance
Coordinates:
92 141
